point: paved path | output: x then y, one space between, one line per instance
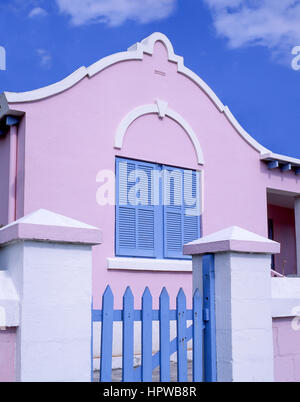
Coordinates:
117 374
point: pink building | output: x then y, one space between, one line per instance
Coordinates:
61 145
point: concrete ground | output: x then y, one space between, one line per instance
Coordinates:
117 374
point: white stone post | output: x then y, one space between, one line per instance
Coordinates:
297 227
49 259
244 339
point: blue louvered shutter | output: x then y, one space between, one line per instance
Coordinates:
181 210
136 221
191 204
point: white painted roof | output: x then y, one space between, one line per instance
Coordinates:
45 217
232 233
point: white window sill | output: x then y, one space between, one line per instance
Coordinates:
148 264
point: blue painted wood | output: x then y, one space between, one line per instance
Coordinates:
106 335
146 336
128 336
273 164
286 167
164 338
173 349
12 120
180 225
197 337
118 315
210 356
162 358
181 337
135 218
297 171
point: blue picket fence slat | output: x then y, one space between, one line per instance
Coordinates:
201 332
146 336
164 335
107 335
128 339
181 337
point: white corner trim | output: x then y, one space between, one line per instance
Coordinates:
135 52
285 297
156 109
149 264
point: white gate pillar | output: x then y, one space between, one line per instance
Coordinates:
49 259
244 338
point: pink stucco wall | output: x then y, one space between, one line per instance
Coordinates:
284 233
7 355
286 350
69 138
4 178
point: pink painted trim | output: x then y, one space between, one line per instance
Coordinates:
64 234
240 246
13 149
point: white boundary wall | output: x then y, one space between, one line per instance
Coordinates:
46 259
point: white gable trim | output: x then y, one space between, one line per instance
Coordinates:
135 52
160 108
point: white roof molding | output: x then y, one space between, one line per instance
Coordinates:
161 108
135 52
50 90
269 156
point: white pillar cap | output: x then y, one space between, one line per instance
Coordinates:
235 239
44 225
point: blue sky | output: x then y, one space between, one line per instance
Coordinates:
241 48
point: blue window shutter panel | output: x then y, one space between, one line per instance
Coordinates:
191 204
173 216
135 213
181 210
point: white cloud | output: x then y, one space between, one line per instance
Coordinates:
37 12
271 23
115 12
45 58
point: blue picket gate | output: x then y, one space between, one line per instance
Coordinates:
201 331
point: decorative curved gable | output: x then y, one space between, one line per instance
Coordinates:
135 52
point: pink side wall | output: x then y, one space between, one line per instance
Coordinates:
7 355
286 351
284 233
70 138
4 178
